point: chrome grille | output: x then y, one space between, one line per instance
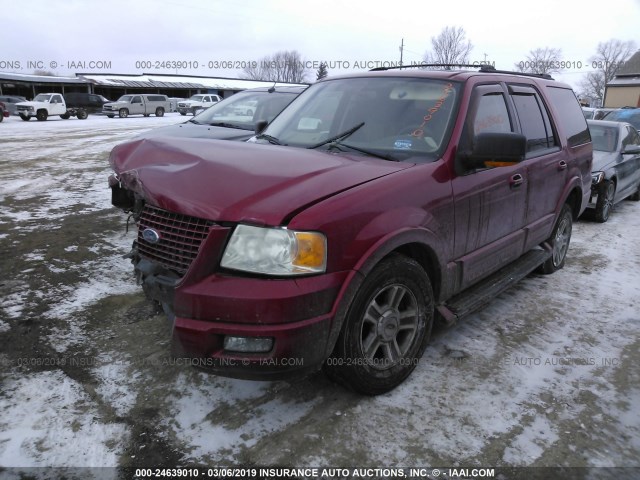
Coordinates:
180 237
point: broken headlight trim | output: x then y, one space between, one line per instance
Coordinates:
596 177
275 251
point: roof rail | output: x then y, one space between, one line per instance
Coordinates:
424 65
483 68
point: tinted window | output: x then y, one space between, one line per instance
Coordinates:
136 100
570 115
534 120
156 98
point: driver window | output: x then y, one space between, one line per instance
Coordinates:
492 115
488 114
136 100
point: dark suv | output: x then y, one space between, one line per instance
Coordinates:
89 102
371 205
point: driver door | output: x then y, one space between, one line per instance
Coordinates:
490 203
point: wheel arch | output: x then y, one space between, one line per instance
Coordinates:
420 245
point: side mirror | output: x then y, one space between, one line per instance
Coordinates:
493 149
631 150
260 126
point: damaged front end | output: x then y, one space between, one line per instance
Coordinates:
166 242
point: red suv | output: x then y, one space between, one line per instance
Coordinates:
371 205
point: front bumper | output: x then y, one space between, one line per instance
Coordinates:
296 314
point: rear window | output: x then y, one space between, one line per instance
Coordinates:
570 115
156 98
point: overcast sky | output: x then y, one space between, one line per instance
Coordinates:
121 33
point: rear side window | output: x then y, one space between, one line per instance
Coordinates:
570 115
534 119
156 98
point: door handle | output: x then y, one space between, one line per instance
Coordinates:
562 165
516 180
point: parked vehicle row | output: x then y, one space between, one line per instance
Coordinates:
374 203
45 105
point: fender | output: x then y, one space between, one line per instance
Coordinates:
379 250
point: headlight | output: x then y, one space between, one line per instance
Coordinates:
275 251
596 177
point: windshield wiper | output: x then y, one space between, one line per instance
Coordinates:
269 138
362 150
228 125
194 121
341 136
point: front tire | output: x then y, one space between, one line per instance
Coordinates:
559 241
604 204
42 115
82 115
636 196
65 116
159 112
386 328
123 113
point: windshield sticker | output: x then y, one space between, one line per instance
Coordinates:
402 144
419 132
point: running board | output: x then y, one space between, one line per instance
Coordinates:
483 292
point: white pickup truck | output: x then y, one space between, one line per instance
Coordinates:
197 102
138 104
46 104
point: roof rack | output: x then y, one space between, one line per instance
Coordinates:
483 68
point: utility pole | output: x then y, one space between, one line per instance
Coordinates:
401 50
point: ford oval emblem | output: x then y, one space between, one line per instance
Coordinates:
150 235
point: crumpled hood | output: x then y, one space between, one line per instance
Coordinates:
601 160
238 182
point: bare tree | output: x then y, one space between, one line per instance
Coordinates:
283 66
541 61
450 47
609 57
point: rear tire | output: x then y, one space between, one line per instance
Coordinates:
159 112
604 204
559 241
65 116
42 115
82 114
110 116
183 113
636 196
386 329
123 113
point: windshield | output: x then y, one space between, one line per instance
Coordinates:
244 109
629 115
392 117
605 139
42 98
125 98
197 98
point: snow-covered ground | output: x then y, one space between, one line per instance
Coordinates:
546 375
